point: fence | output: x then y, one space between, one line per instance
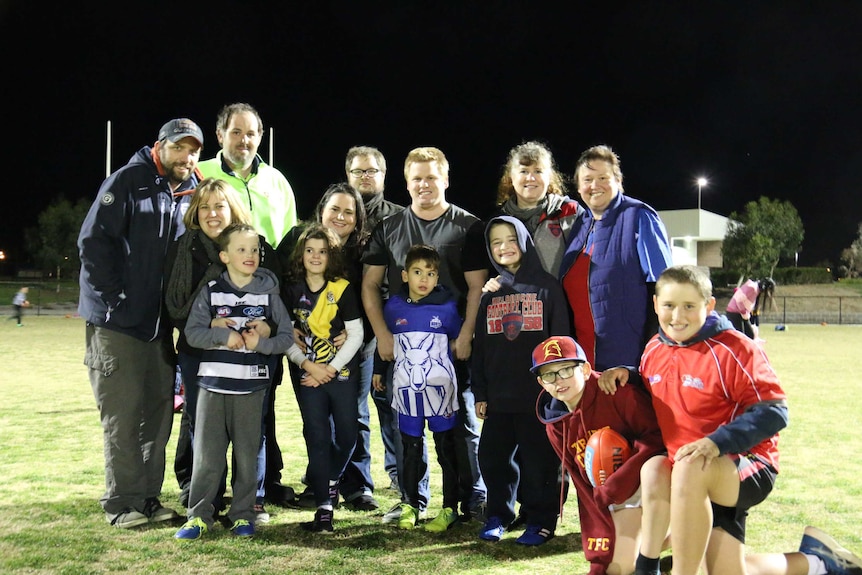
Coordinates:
50 299
815 309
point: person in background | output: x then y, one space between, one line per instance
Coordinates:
270 200
746 303
19 302
234 375
458 236
365 168
720 407
532 190
130 358
617 249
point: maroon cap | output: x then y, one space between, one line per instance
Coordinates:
555 349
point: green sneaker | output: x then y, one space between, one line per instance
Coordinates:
444 520
192 529
409 516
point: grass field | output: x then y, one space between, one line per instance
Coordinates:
52 478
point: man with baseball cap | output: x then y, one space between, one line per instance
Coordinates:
176 130
136 215
572 408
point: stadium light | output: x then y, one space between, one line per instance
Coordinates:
701 182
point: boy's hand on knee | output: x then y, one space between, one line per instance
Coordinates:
704 447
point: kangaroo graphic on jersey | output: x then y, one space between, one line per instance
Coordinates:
421 375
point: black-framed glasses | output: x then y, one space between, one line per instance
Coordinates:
562 373
369 172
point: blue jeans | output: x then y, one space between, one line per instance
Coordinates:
356 479
329 425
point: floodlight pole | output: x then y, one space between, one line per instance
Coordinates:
701 182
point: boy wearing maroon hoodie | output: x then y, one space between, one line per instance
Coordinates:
572 409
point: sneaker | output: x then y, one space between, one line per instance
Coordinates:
322 522
535 535
192 529
493 530
444 520
362 502
837 559
393 486
278 494
127 518
394 514
479 512
242 528
409 517
156 512
260 514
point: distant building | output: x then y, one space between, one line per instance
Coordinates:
695 236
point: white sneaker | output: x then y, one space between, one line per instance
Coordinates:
127 519
837 559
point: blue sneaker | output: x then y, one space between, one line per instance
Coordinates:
242 528
535 535
493 530
837 559
192 529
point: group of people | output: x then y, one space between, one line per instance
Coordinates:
440 317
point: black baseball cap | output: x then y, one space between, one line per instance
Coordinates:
180 128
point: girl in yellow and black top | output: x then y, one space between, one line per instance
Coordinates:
326 379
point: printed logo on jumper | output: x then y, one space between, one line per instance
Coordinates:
401 321
555 229
107 199
223 311
253 312
435 322
513 313
330 297
691 381
654 379
304 300
259 371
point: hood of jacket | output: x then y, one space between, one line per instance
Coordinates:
263 281
714 324
530 262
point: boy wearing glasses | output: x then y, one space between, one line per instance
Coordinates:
572 408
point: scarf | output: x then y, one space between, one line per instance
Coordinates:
530 216
180 293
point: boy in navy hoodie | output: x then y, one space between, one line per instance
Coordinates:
514 450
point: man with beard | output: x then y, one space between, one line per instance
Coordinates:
122 244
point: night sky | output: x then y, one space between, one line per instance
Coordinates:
762 98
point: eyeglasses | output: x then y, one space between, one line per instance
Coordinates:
369 172
562 373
